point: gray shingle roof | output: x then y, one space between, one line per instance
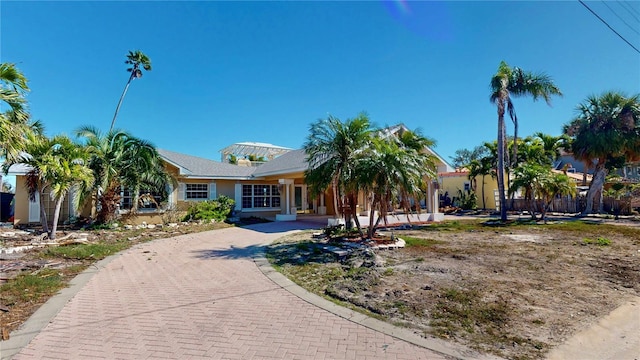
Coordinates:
293 161
194 166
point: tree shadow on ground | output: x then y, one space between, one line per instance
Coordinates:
299 254
283 226
232 253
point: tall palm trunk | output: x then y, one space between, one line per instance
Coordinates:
353 203
43 213
56 216
596 187
334 186
514 161
501 148
121 98
372 212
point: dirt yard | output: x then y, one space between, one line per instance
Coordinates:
515 291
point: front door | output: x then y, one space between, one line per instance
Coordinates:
298 198
301 198
34 209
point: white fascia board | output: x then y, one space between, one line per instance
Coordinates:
281 172
201 177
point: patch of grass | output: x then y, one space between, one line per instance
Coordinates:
600 241
85 251
31 286
455 225
419 242
464 309
387 272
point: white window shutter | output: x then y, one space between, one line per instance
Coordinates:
182 192
212 190
238 196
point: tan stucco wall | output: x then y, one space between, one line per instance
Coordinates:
226 188
452 183
148 218
21 210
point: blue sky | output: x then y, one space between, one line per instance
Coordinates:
226 72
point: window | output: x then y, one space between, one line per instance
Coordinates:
146 200
467 186
197 191
260 196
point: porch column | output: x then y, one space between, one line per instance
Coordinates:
286 215
434 201
287 201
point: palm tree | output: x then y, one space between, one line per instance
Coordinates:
13 86
13 121
393 170
508 82
553 185
552 144
414 145
119 160
332 148
135 59
57 166
607 127
481 167
529 176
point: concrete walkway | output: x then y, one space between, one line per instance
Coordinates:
202 296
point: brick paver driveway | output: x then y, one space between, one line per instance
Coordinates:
202 296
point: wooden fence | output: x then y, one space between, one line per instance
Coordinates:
624 206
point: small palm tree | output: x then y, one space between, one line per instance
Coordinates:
393 171
508 82
481 167
57 166
119 160
555 185
529 176
136 59
332 148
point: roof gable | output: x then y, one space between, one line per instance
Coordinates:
193 166
290 162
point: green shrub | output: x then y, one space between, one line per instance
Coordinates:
218 209
467 200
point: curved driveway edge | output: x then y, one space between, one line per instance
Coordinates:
36 322
440 346
198 296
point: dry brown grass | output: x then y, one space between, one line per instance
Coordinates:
514 291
